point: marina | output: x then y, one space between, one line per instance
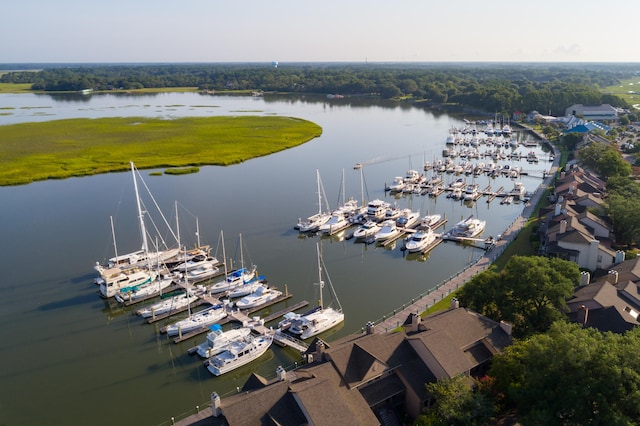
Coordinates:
86 336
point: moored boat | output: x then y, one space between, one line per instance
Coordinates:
420 240
218 341
239 353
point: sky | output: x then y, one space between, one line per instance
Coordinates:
46 31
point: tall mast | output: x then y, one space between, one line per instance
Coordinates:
143 231
178 226
113 234
320 282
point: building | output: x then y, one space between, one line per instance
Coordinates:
593 112
365 378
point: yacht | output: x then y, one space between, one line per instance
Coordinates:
201 319
219 341
261 296
138 292
468 228
366 230
112 280
376 209
239 353
234 280
387 230
471 192
420 240
408 218
172 304
336 223
517 192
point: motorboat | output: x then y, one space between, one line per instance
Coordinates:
408 218
202 272
468 228
112 280
239 353
430 220
260 296
172 304
138 292
336 223
376 209
195 262
234 280
246 288
388 230
420 240
398 184
366 230
198 320
471 192
517 191
218 341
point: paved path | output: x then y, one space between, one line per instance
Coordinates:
420 304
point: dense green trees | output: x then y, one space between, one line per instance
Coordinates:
500 88
571 375
530 292
623 207
604 159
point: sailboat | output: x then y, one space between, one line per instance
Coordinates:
325 317
236 278
313 222
142 257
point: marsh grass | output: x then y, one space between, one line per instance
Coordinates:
81 147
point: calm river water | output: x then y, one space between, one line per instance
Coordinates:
71 358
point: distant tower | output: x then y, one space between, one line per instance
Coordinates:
274 64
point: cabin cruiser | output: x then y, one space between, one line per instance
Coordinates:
420 240
239 353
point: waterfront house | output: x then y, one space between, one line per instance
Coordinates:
363 379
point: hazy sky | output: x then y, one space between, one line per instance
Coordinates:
328 30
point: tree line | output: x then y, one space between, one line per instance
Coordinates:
500 88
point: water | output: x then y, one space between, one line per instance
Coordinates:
69 357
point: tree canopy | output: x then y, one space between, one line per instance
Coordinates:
604 159
497 88
530 292
571 375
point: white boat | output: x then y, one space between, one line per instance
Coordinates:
201 319
398 184
259 297
143 257
376 209
468 228
236 278
203 272
366 230
139 292
517 191
218 341
195 262
507 200
420 240
388 230
471 192
246 289
112 280
430 220
239 353
172 304
336 223
321 319
408 218
313 222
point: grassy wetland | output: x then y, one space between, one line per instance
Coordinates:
81 147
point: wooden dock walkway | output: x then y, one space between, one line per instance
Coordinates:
424 301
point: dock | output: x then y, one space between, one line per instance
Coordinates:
232 315
284 339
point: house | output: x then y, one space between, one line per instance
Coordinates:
605 306
593 112
362 378
570 229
